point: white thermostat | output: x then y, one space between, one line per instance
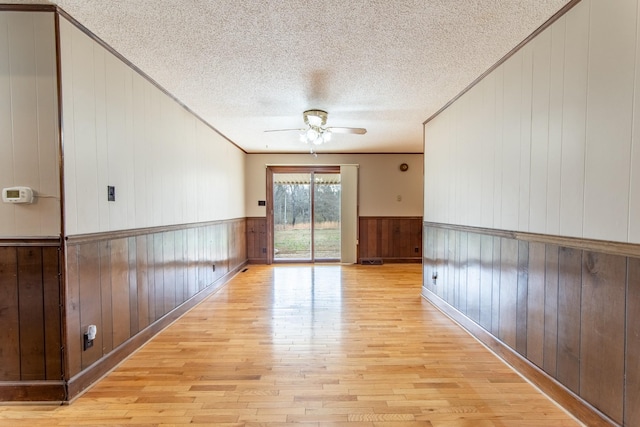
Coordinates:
17 195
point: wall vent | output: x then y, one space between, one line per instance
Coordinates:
371 261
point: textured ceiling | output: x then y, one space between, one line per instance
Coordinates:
250 65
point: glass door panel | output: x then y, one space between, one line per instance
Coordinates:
292 232
326 214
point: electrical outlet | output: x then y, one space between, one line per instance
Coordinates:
89 336
87 343
416 250
111 193
434 277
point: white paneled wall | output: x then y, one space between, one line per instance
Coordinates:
634 186
612 41
549 142
28 123
120 130
574 122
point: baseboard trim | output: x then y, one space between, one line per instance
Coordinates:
47 392
85 379
564 397
412 260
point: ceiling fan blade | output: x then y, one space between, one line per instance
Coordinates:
356 131
285 130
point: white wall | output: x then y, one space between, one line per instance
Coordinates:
28 123
166 165
549 142
380 180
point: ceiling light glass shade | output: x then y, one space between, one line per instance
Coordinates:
315 135
311 135
326 136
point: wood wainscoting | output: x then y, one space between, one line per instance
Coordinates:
30 320
132 284
390 239
567 318
257 240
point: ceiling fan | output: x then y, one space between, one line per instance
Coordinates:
316 132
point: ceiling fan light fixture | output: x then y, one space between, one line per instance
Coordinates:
316 132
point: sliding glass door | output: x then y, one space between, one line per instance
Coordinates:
326 216
305 214
292 216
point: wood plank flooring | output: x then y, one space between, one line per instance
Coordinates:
310 345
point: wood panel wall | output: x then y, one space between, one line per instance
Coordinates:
257 240
391 239
30 312
571 312
126 282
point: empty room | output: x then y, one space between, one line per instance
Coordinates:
368 213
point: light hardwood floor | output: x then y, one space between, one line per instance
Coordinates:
330 344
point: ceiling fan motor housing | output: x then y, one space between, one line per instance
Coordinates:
315 117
